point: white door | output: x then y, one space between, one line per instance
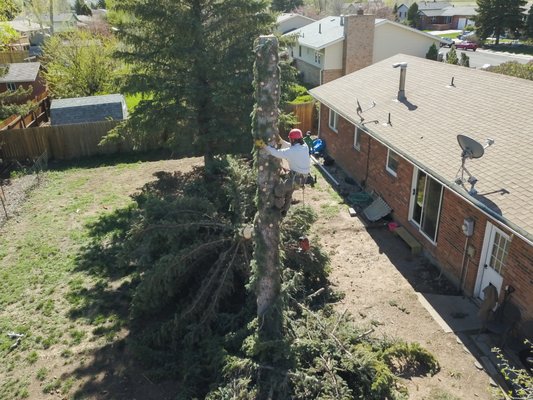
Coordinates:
493 258
461 23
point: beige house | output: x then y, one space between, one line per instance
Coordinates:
335 46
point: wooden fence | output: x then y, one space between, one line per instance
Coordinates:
10 57
63 142
34 118
305 113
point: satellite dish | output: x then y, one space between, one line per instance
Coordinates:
471 148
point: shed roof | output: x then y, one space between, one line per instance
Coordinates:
86 101
21 72
424 128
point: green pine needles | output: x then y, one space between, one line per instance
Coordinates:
192 310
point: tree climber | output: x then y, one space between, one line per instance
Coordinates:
297 155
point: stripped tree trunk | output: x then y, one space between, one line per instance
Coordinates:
267 220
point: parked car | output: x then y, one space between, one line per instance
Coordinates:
445 42
465 45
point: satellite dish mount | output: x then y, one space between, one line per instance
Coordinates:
471 149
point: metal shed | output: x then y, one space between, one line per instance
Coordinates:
88 109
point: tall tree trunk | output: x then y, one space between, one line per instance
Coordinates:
267 220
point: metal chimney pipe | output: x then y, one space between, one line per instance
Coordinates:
403 70
319 28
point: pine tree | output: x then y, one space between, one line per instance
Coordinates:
192 60
495 16
267 263
465 60
451 56
412 15
286 5
432 53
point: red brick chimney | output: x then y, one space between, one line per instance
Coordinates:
358 47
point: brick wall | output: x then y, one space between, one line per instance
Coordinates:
358 46
329 75
449 250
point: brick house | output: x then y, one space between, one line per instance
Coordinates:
405 149
335 46
23 75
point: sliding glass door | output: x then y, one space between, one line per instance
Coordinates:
425 204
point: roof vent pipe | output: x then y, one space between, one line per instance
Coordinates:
342 20
319 28
403 70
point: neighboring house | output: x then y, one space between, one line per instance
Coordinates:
26 27
351 8
436 15
288 22
406 150
88 109
335 46
23 75
401 13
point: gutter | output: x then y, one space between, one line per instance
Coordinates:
515 229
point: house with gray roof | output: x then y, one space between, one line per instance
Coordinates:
396 129
25 75
288 22
439 15
88 109
335 46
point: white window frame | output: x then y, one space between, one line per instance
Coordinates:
11 86
388 167
357 138
333 120
412 206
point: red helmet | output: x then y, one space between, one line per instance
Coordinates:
295 134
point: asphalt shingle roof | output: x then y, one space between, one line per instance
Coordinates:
21 72
424 128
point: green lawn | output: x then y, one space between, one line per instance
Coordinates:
50 289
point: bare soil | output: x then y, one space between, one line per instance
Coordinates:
373 268
380 277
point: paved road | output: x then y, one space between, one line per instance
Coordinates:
481 57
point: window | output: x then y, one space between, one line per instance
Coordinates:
318 57
426 202
392 162
299 51
333 120
11 86
357 139
500 250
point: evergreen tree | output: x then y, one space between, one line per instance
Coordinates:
395 12
192 60
412 15
529 23
495 16
286 5
81 8
433 52
465 60
451 56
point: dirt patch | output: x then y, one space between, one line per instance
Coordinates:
380 279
